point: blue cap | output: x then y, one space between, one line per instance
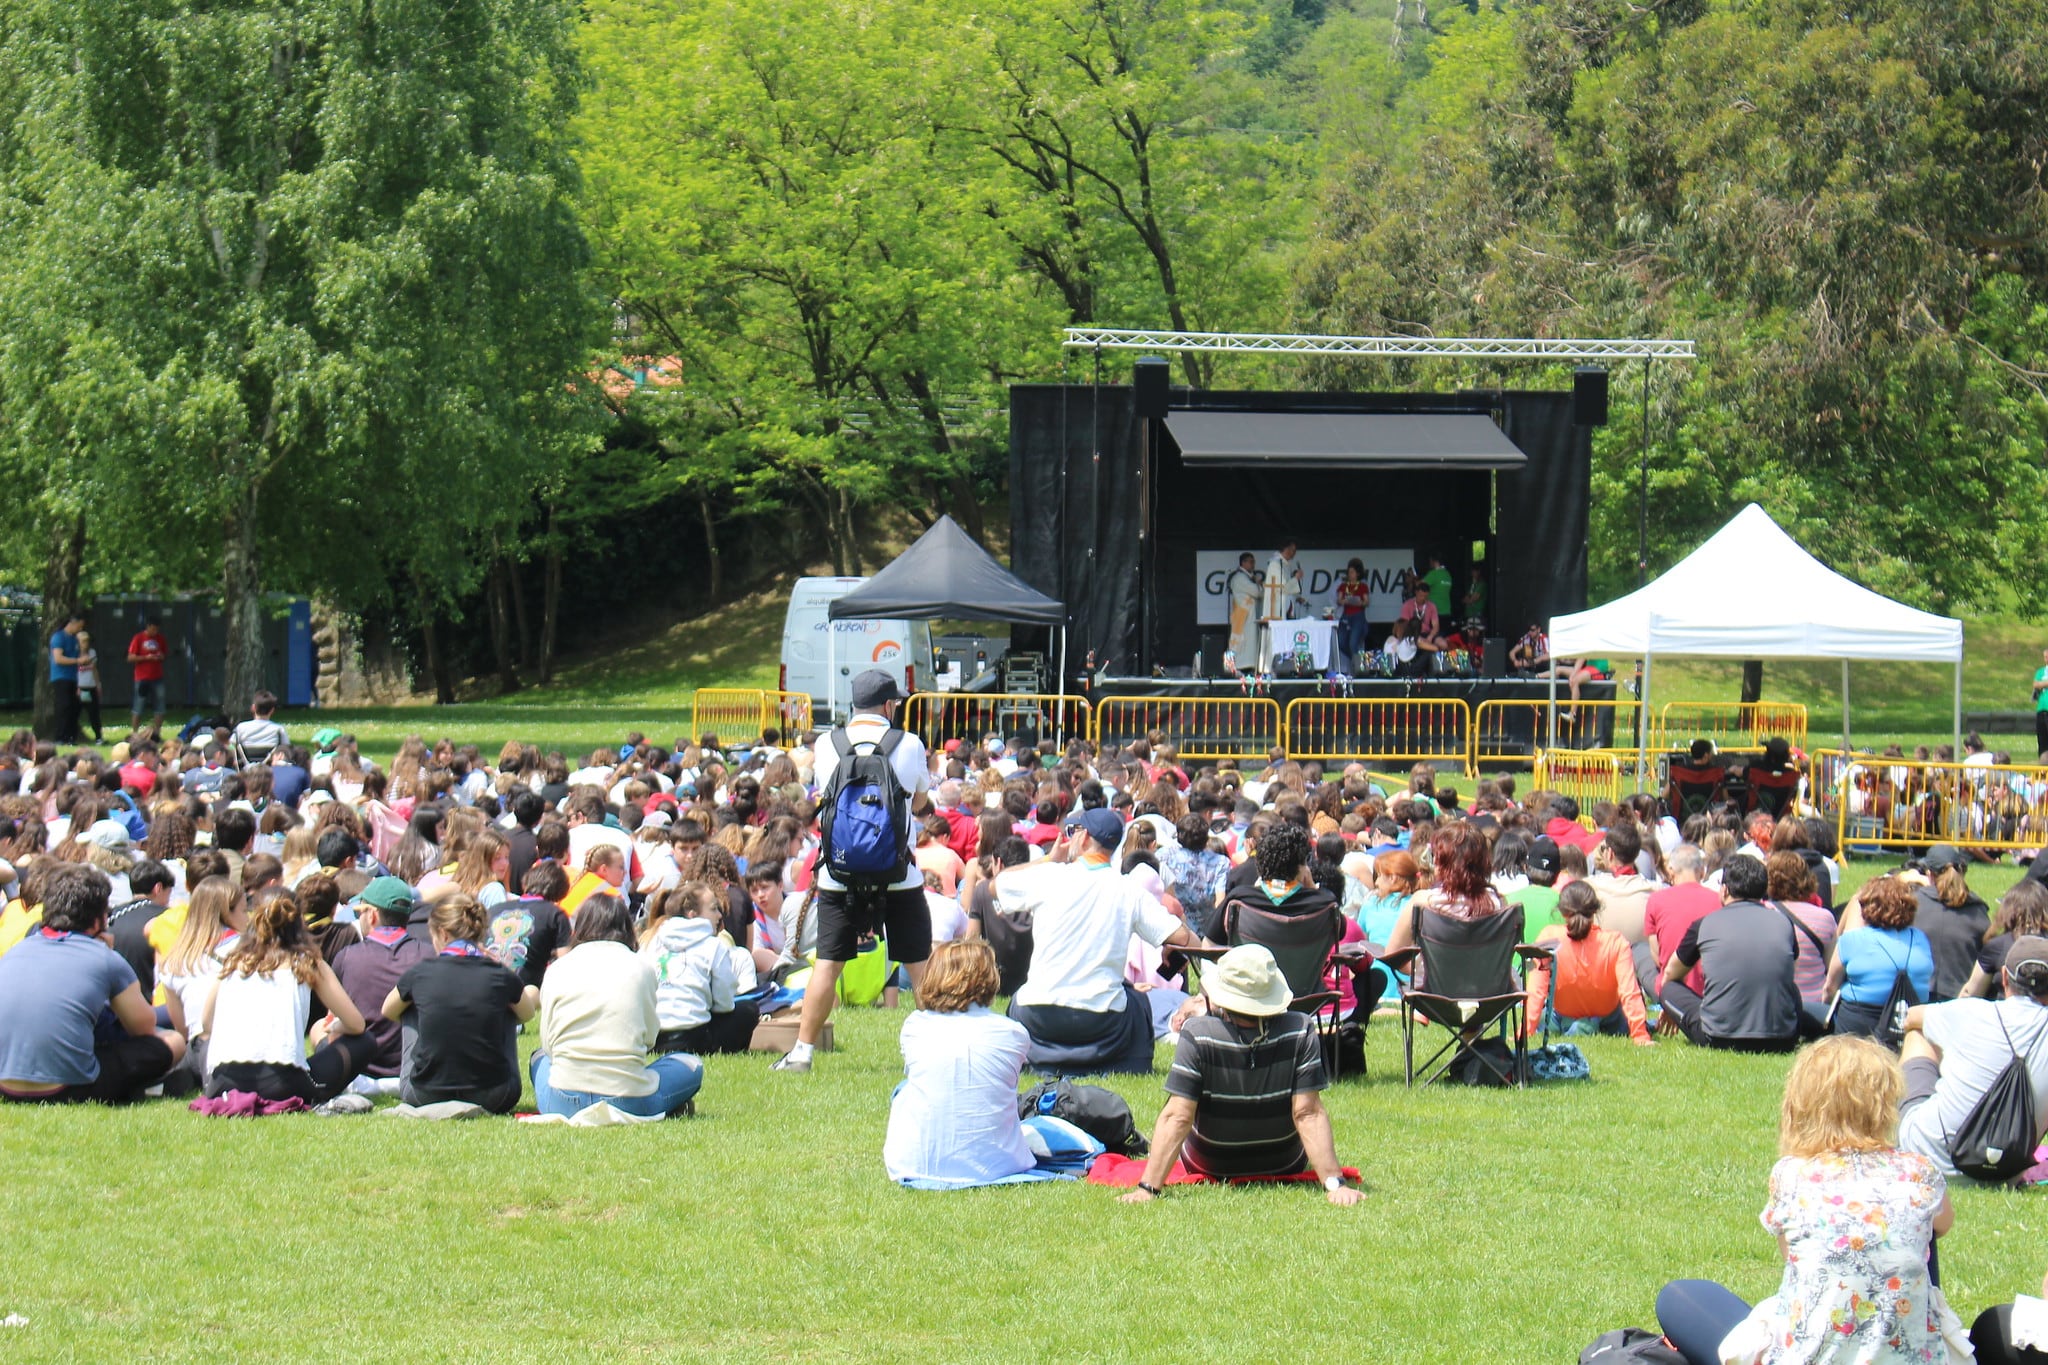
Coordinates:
1104 826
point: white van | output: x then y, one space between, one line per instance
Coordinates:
809 654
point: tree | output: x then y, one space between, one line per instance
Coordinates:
349 274
1843 207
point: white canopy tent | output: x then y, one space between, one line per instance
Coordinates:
1751 592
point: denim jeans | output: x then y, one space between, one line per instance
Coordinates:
677 1077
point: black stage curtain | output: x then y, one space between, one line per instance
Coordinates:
1076 514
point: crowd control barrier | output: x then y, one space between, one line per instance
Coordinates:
1203 729
1731 725
1377 730
1887 804
738 715
1513 732
1583 776
936 717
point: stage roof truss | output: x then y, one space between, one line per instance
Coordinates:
1281 343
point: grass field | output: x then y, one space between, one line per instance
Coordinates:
1498 1227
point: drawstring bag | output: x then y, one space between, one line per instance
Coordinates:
1559 1062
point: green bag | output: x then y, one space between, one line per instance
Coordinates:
861 981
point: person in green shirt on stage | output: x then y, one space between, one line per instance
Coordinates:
1439 581
1475 598
2041 705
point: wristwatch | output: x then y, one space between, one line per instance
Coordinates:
1333 1183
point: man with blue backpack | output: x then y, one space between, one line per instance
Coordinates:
868 772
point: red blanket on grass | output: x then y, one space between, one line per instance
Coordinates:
1110 1169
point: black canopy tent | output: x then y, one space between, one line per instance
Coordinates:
945 574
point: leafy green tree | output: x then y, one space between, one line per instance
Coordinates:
349 276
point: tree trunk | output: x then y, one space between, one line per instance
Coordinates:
716 575
515 586
550 600
437 663
844 511
61 574
966 510
241 601
1752 682
501 627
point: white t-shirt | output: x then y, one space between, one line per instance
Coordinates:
949 921
1973 1051
260 1019
911 771
954 1119
1083 917
258 735
583 838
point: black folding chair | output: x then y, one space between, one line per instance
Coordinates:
1695 790
1467 984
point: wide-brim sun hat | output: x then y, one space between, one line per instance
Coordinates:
1246 980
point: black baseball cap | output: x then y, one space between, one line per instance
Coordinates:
1542 855
874 687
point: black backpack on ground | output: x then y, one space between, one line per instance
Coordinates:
1996 1139
1630 1346
1100 1113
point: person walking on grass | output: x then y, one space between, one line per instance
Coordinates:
891 901
146 655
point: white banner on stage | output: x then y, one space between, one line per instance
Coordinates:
1321 571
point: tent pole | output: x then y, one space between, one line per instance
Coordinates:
1959 705
1643 722
1550 728
1059 723
1845 708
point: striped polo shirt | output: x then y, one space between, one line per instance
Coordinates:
1243 1081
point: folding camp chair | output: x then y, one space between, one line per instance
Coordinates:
1306 949
1467 984
1772 793
1694 790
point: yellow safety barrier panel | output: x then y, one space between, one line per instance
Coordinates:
1514 731
1827 777
1205 729
1379 730
936 717
1731 725
1900 803
789 712
731 713
1586 777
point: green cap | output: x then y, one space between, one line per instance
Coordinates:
326 737
387 893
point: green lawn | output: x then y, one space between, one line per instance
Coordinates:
1499 1227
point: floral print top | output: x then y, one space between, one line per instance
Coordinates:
1857 1228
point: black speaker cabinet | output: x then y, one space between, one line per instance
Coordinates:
1494 660
1149 378
1589 396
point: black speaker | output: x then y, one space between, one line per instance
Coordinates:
1149 378
1493 660
1589 396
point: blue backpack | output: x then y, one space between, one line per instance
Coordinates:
860 814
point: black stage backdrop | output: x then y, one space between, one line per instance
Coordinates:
1076 507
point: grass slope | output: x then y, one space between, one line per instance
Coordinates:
1499 1227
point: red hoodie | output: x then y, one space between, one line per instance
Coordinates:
1565 831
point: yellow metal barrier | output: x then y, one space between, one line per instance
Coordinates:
1515 731
1369 730
731 713
1731 725
939 716
1892 803
1205 729
789 712
1586 777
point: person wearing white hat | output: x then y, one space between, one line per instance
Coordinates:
1244 1094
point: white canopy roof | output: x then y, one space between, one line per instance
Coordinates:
1751 592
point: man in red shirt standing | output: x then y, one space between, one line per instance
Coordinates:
147 652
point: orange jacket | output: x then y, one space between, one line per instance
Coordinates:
1595 977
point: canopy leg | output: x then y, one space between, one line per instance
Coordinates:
1845 708
1643 724
1959 708
1059 723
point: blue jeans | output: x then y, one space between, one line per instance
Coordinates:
677 1078
1350 640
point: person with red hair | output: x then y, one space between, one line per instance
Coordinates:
1463 886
